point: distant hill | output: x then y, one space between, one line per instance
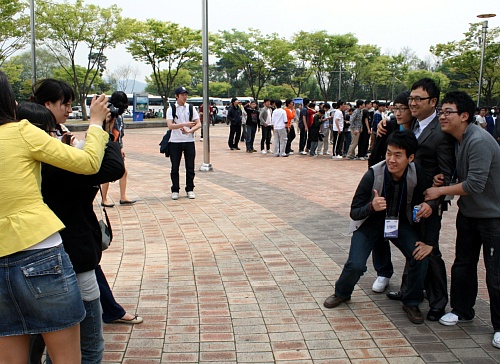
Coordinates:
135 86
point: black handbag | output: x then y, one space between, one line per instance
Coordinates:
165 144
106 231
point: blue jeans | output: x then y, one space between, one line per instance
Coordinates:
111 310
250 136
91 337
362 243
38 292
347 142
472 233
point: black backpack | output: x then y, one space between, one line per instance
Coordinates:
165 142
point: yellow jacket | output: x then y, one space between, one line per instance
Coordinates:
25 219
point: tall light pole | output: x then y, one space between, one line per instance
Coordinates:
33 49
483 46
206 166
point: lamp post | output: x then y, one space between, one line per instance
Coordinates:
483 46
206 166
33 49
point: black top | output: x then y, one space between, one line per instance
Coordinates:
71 197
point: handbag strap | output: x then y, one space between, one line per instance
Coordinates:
106 214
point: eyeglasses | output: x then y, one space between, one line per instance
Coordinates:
417 99
447 113
400 109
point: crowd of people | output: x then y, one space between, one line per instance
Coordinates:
420 153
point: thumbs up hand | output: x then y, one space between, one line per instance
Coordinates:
378 203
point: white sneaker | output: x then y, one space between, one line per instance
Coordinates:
451 319
175 195
362 158
319 153
380 284
496 340
337 157
269 151
191 195
303 153
263 151
326 153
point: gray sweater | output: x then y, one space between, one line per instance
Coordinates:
478 168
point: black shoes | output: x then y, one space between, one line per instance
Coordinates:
435 314
333 301
395 295
414 314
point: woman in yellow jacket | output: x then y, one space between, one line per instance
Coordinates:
38 288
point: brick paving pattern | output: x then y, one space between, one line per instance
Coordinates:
239 274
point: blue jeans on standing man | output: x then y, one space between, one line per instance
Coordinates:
250 137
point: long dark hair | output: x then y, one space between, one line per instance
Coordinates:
8 107
52 90
37 115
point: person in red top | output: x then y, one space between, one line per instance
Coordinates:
311 110
290 116
200 112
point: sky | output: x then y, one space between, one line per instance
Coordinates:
389 24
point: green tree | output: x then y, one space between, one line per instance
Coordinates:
14 25
257 56
64 27
462 60
182 78
167 48
439 78
19 70
300 72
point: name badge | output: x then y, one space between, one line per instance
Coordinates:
391 228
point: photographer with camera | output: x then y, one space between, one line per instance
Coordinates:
118 103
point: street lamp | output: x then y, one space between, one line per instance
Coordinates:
485 29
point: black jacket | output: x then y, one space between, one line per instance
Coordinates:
71 197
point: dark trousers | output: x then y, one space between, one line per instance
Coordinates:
472 233
234 136
266 137
176 151
435 284
250 136
364 139
302 139
347 142
362 242
111 310
337 142
290 137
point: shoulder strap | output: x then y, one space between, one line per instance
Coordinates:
190 112
173 112
106 216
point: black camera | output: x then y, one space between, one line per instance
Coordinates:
113 110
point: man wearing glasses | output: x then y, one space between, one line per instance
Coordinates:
478 218
436 155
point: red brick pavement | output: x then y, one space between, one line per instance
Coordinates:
239 274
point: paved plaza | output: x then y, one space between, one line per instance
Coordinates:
239 274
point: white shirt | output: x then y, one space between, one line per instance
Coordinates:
279 119
182 113
338 116
480 119
423 124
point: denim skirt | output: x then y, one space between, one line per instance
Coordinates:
38 292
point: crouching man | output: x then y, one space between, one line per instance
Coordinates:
382 209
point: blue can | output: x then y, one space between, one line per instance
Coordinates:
416 209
